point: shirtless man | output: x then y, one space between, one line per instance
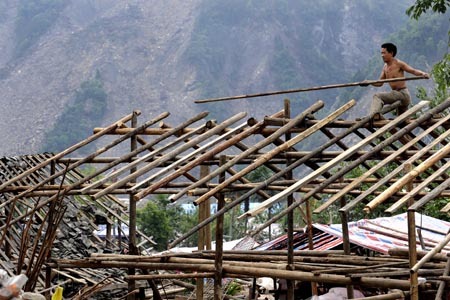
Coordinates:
393 68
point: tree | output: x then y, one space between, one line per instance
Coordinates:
441 71
164 222
422 6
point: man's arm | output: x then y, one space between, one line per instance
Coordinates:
411 70
382 76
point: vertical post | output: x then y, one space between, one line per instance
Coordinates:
109 236
442 284
346 242
202 233
132 249
48 270
310 239
218 292
414 276
290 284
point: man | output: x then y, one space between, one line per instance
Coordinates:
393 68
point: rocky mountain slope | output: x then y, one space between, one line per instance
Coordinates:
158 55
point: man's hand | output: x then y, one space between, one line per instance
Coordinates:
425 75
364 83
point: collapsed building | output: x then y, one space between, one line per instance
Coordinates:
50 207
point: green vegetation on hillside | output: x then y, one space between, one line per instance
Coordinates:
78 118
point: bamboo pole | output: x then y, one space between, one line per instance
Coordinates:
412 244
335 161
132 248
170 276
218 259
431 253
442 284
332 86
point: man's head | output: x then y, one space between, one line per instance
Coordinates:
391 48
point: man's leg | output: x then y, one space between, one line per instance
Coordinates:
406 101
380 99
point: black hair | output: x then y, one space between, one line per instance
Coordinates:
391 48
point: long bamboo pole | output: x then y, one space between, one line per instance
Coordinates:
323 87
431 253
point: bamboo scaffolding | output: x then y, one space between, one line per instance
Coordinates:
129 156
330 268
346 169
189 156
333 86
382 164
335 161
67 151
407 178
78 163
393 173
147 157
217 129
268 155
315 107
272 179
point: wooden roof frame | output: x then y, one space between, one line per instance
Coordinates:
160 158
